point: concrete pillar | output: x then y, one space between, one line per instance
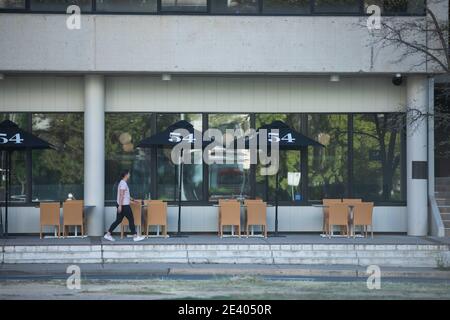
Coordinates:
416 158
94 152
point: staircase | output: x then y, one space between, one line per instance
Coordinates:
443 201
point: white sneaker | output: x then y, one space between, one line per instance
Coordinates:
109 237
138 238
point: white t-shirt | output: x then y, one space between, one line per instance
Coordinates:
126 197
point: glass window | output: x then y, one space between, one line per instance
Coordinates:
183 5
229 180
167 174
377 156
442 129
18 191
12 4
127 5
393 7
289 162
235 6
327 167
122 133
56 173
59 5
337 6
286 6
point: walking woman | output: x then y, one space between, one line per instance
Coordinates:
123 208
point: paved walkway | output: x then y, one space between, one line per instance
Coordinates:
381 239
145 270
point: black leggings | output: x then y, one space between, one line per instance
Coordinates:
126 212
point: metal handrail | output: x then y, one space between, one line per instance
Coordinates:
436 218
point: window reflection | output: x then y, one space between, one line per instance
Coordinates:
12 4
234 6
59 5
18 191
398 6
327 167
229 180
337 6
122 133
184 5
167 174
286 6
289 162
127 5
56 173
377 156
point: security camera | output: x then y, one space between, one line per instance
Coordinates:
397 79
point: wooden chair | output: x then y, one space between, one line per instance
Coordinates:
49 212
156 215
230 215
221 201
362 216
338 216
137 215
73 215
327 203
256 215
351 201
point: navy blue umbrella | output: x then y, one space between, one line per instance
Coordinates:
287 139
171 138
12 138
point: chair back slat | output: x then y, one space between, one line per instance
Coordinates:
156 212
362 213
73 212
230 212
338 214
49 213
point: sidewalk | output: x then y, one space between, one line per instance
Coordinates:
25 271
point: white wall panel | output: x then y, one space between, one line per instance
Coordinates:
253 94
204 219
41 94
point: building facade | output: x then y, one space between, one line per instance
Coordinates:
135 67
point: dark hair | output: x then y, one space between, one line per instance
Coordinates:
124 173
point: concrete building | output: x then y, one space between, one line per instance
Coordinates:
132 69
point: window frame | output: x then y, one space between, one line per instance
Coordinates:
205 183
208 12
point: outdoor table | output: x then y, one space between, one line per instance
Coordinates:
85 208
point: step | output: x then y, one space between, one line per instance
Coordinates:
447 232
445 216
333 254
443 202
442 194
442 188
446 223
444 210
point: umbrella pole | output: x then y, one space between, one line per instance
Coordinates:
180 181
277 184
276 204
8 184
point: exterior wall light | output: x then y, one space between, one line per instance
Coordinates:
166 77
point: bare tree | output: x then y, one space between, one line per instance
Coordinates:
426 37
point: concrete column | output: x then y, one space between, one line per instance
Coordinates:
94 152
416 158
